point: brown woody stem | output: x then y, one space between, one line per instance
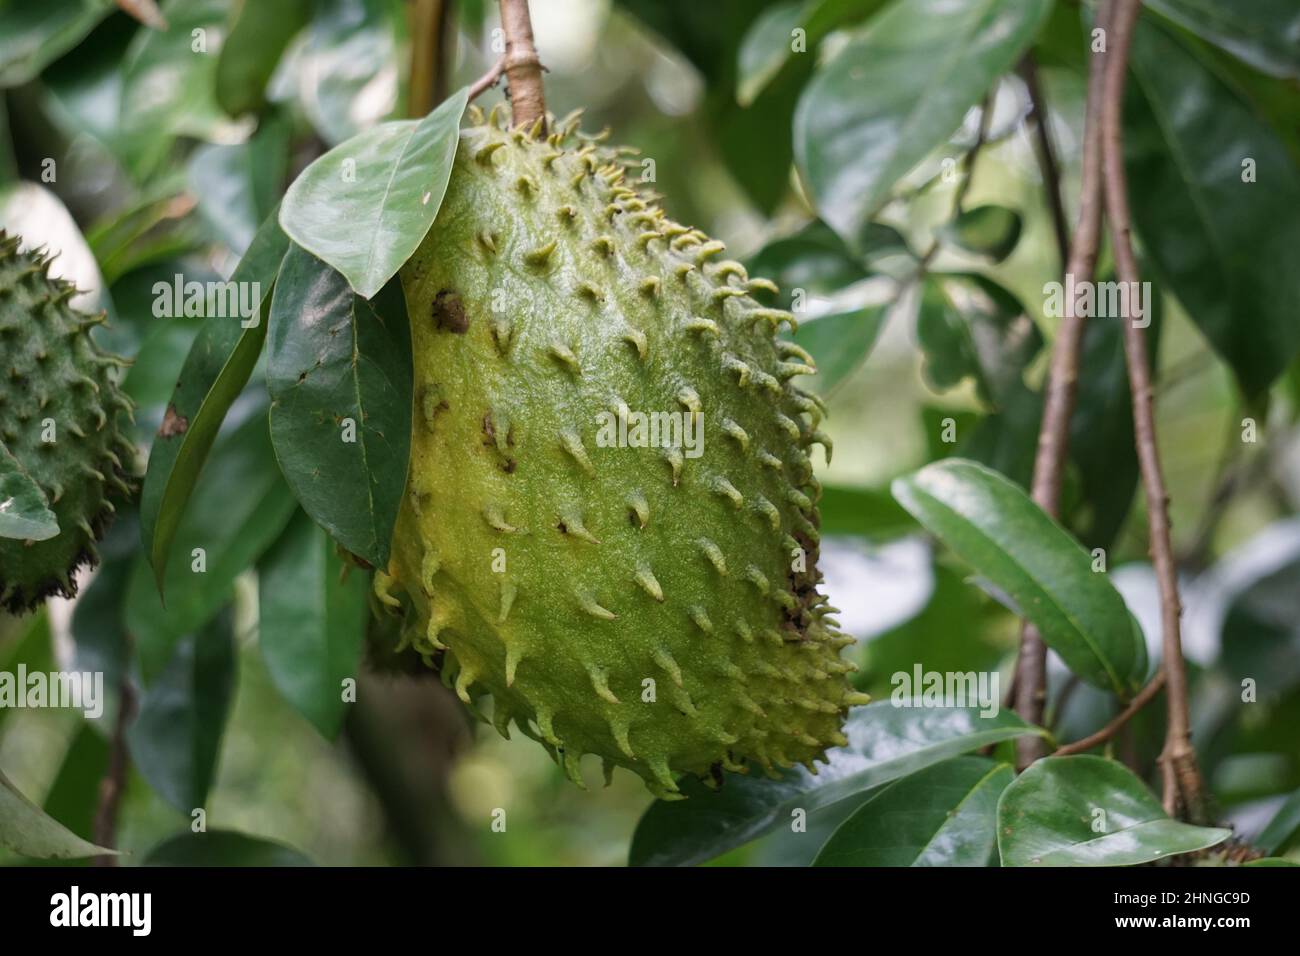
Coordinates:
1058 406
1183 789
523 68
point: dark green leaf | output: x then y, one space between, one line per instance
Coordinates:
365 206
238 508
926 63
989 230
168 82
339 373
33 34
766 47
1216 242
945 815
1282 828
840 343
347 70
814 259
29 831
258 37
1006 440
992 525
885 743
217 368
24 510
99 635
223 848
865 512
769 42
311 622
176 737
1089 811
1101 431
970 326
238 186
1263 33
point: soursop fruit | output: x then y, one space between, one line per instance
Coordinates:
60 408
657 606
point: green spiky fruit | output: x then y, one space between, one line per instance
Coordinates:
59 411
654 607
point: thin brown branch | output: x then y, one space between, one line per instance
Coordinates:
104 827
488 79
1046 152
1143 697
523 67
1183 788
1058 404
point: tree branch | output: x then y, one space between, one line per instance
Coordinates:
1062 384
523 67
1182 779
1117 723
104 827
488 79
1028 70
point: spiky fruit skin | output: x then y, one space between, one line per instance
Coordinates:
55 384
563 577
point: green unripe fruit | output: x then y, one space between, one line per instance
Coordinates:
59 411
647 604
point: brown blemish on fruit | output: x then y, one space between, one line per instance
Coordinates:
449 313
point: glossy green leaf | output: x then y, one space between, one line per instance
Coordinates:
236 511
926 63
311 622
176 737
813 259
168 82
869 513
1282 828
339 373
989 230
24 509
991 524
766 47
970 326
769 42
218 367
34 34
945 815
840 342
27 830
223 848
885 743
259 33
238 186
1089 811
348 68
1263 33
1215 240
1270 861
365 206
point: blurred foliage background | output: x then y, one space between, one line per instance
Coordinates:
157 176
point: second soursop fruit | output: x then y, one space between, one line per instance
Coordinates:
60 409
653 606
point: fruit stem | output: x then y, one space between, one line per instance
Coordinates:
523 67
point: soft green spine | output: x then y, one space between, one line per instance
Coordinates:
574 582
54 382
